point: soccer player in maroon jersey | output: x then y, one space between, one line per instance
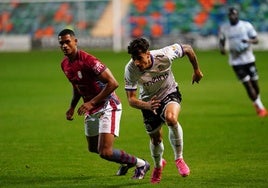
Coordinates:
93 82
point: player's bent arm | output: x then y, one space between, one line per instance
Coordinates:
134 102
111 85
188 50
74 102
75 99
253 40
222 45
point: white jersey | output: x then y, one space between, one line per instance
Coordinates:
240 53
157 80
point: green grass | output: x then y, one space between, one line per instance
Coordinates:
225 143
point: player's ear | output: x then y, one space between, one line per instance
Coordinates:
76 40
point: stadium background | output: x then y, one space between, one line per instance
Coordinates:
26 25
225 141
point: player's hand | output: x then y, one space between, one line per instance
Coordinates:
84 108
69 114
154 104
197 76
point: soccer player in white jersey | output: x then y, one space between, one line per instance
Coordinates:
159 98
240 35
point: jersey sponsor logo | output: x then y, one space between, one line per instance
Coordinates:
155 79
98 67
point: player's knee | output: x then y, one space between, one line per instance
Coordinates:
156 141
171 119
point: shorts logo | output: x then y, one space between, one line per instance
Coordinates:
148 127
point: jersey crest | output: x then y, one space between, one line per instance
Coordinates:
79 74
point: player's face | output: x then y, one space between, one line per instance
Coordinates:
143 62
233 18
68 45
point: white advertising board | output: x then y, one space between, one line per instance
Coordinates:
15 43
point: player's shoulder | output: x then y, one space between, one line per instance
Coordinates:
165 50
87 58
83 54
130 66
245 23
225 25
64 61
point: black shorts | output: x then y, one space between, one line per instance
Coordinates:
246 72
153 122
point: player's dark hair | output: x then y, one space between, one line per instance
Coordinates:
66 32
233 10
137 46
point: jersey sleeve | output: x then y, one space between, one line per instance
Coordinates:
252 33
131 81
173 51
95 65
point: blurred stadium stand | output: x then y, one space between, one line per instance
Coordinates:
149 18
47 19
202 17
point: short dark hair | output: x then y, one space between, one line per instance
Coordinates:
233 10
66 32
137 46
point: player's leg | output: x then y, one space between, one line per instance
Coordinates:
243 74
175 129
157 147
109 129
92 133
157 150
253 73
153 124
176 136
248 75
252 94
257 103
92 142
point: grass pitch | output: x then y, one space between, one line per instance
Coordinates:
225 143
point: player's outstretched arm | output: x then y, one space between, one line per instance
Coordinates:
197 75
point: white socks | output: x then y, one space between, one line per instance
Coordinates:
176 140
258 103
157 153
